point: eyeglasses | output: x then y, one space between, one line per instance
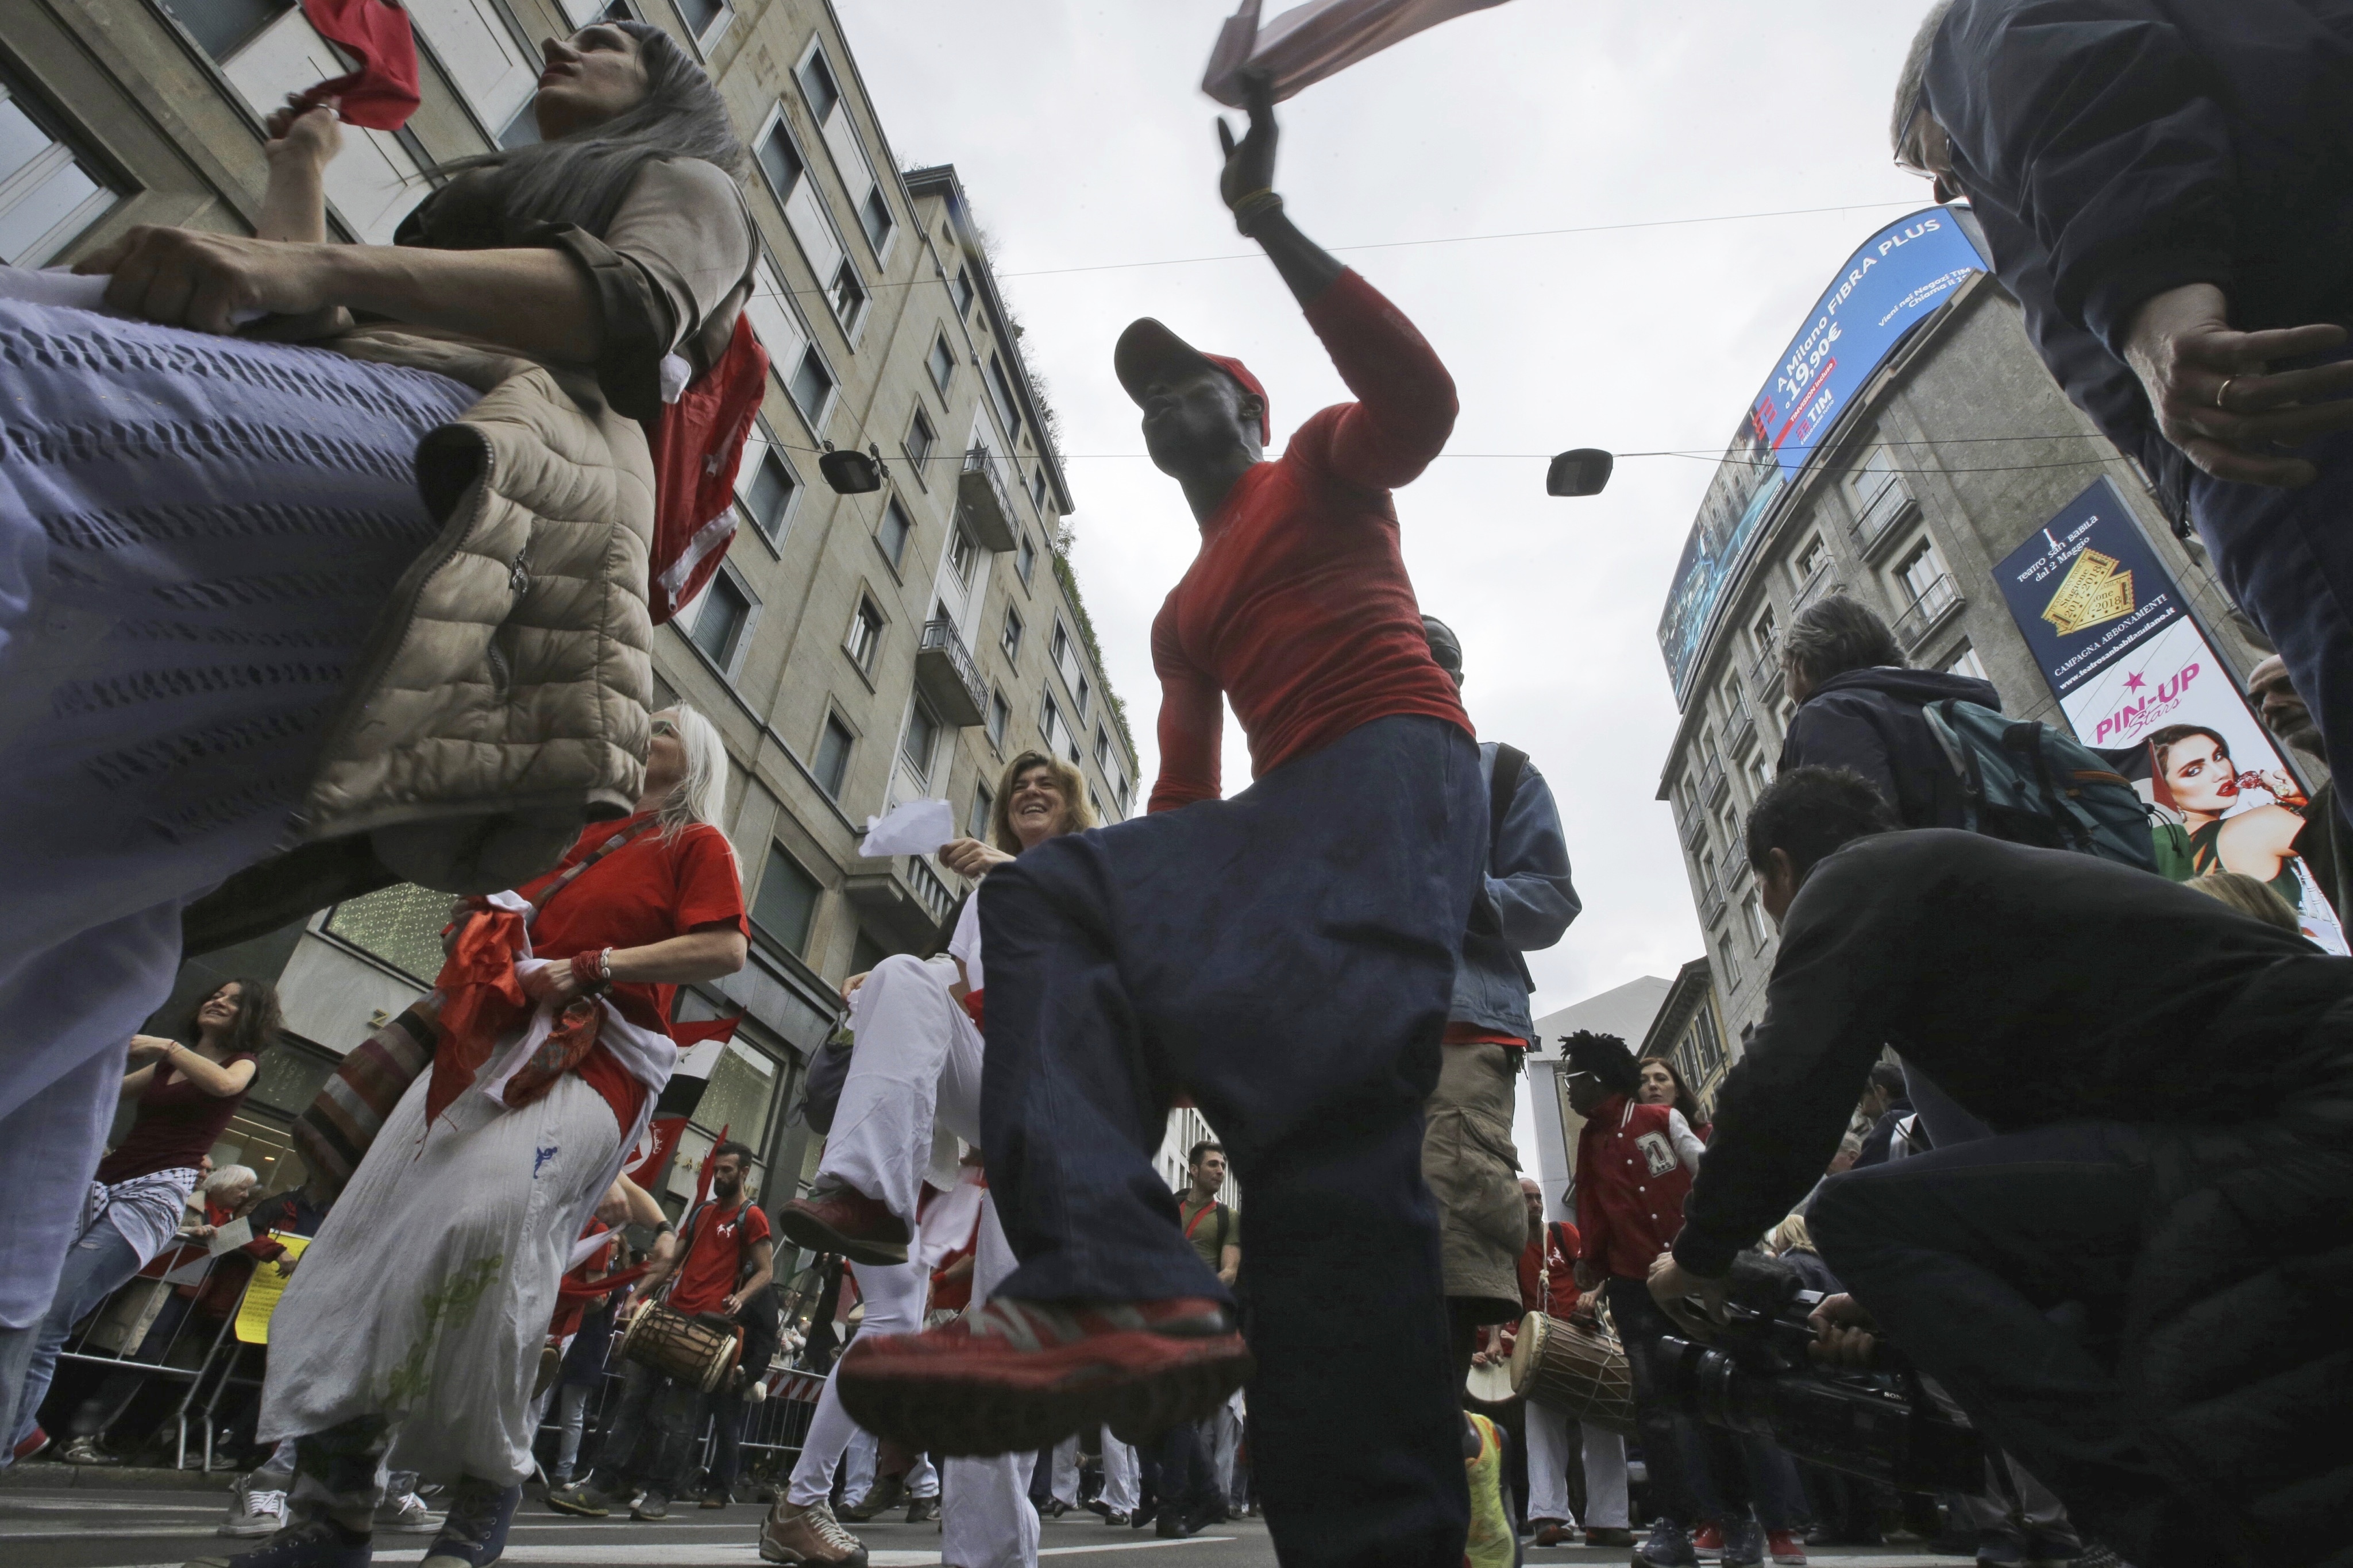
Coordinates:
665 727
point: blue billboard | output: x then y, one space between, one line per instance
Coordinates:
1899 277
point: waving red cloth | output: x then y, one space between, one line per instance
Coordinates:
698 444
483 1001
382 93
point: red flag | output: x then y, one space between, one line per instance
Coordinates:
691 1035
661 1142
702 1177
698 444
382 93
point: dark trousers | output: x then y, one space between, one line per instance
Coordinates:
650 1436
1287 957
2002 1268
1696 1470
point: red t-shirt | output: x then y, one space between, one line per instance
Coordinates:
177 1125
649 891
1460 1033
1548 1271
1298 608
714 1255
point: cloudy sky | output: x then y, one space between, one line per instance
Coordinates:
1081 133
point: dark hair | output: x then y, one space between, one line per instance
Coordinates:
581 178
1205 1146
2172 735
1886 1075
1685 1101
258 1017
1832 636
1606 1056
1809 812
743 1152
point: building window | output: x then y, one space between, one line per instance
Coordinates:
961 289
1766 633
1812 559
961 555
1000 389
1064 653
849 296
704 19
1011 640
1000 715
922 740
225 26
785 906
768 497
1025 556
942 363
48 197
865 635
1923 576
1759 931
1124 788
812 387
1038 489
977 825
1731 963
780 162
891 534
1965 662
1102 748
1760 772
833 756
1084 696
818 87
1051 725
719 627
921 439
874 213
522 128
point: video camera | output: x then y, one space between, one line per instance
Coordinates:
1755 1376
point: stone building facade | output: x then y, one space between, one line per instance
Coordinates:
855 650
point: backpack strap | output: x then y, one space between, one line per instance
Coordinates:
1510 762
617 841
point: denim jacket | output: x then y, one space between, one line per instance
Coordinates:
1527 904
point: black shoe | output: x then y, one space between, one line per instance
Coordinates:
653 1508
582 1498
1174 1526
1145 1515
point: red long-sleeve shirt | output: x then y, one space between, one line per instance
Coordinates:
1298 608
1634 1166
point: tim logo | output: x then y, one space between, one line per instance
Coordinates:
1657 1153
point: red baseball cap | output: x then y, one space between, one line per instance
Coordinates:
1146 348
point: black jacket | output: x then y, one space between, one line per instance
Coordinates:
1869 721
2114 149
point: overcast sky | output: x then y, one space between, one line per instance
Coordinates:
1082 137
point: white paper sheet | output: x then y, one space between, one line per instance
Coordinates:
234 1234
918 827
1320 38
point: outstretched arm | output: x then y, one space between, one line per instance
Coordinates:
1248 187
303 141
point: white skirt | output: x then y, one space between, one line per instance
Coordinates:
427 1294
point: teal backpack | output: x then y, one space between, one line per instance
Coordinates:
2025 782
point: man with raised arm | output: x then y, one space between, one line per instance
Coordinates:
1286 958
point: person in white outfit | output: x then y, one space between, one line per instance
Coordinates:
1547 1285
1120 1494
911 1097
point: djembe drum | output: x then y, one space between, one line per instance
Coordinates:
1578 1370
688 1349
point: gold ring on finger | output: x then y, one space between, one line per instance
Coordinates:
2223 391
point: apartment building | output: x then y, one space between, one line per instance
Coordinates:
855 650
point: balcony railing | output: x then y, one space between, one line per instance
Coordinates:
986 505
1739 728
1712 784
1710 902
1821 586
947 677
1883 512
1765 674
905 897
1937 602
1693 831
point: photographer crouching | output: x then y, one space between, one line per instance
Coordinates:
2135 1285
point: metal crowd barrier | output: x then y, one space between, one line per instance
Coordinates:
774 1428
121 1338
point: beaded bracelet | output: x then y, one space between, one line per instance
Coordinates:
1250 208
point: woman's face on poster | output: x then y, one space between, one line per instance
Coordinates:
2199 772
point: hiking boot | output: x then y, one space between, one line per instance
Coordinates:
475 1532
809 1535
837 1217
1668 1547
317 1544
652 1508
85 1451
885 1493
1017 1374
406 1514
582 1498
253 1513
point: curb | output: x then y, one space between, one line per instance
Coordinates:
40 1476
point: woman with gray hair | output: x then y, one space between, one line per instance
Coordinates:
266 608
412 1334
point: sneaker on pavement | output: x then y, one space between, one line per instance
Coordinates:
85 1451
1667 1547
407 1515
1053 1507
35 1441
923 1509
1553 1532
1173 1524
1017 1375
2000 1551
1744 1545
253 1513
1118 1520
837 1217
887 1492
809 1536
652 1508
1608 1535
317 1544
475 1532
2053 1550
1707 1541
1783 1547
718 1497
582 1498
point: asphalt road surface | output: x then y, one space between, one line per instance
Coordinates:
103 1528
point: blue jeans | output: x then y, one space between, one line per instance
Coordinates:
1287 957
97 1265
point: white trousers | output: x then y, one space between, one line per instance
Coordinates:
859 1471
915 1071
986 1519
894 1305
1120 1492
1605 1471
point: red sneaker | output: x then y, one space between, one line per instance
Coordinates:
36 1440
1015 1375
837 1217
1782 1546
1707 1540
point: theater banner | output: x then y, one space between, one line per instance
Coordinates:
2142 686
1899 277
